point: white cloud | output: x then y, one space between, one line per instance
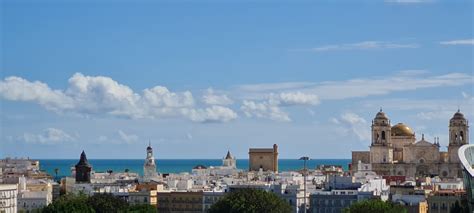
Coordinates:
18 89
294 98
211 98
356 124
210 114
364 45
264 110
48 136
445 109
458 42
127 138
102 95
427 109
270 108
362 87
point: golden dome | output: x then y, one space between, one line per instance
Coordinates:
402 130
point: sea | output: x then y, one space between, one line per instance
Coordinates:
173 165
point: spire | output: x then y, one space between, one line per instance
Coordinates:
228 156
381 109
422 136
83 160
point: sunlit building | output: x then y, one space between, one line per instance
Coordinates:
394 150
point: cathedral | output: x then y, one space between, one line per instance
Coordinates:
394 150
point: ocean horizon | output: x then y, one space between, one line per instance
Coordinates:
173 165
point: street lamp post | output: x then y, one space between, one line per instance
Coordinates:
304 159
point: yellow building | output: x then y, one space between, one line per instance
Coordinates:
263 158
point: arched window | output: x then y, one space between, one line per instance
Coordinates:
461 134
383 135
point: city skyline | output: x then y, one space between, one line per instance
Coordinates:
199 79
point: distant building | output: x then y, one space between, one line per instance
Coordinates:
414 201
8 198
394 150
444 200
149 168
229 161
210 198
336 200
466 155
142 197
189 202
263 158
13 168
83 170
34 194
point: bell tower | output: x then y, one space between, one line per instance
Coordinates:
381 129
381 150
149 168
458 135
83 169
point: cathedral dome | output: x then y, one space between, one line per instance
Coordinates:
402 130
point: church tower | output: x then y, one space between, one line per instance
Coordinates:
381 147
149 168
83 170
458 135
229 161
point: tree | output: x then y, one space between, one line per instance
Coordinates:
127 170
375 205
56 171
69 203
250 201
106 203
96 203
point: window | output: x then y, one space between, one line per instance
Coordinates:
383 135
443 206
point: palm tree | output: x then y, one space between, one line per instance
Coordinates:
127 170
56 171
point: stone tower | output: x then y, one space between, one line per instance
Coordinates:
83 170
265 159
229 161
458 135
381 147
149 168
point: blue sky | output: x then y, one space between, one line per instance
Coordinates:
198 78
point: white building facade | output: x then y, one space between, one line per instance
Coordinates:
8 198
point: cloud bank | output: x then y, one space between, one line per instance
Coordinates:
90 95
